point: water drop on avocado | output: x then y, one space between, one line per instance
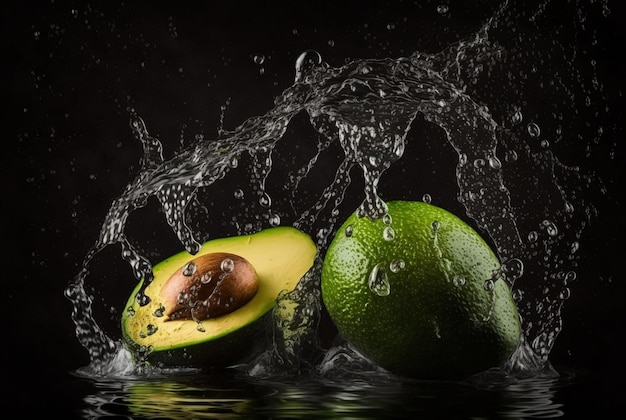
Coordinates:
378 281
227 265
389 234
189 269
151 329
397 265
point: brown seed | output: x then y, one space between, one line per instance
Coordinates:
209 286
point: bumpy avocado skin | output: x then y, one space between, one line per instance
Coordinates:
430 325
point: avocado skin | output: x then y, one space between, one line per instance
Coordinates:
218 354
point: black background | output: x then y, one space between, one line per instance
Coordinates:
71 71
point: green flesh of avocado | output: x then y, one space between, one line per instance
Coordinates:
280 256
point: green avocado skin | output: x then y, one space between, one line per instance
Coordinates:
426 326
221 353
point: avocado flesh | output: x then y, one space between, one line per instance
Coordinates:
280 256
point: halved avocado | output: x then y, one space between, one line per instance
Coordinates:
280 256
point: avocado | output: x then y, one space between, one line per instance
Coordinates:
211 310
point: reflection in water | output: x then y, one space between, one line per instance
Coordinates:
369 395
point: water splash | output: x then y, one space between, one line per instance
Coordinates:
368 108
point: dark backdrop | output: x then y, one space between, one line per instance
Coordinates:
72 71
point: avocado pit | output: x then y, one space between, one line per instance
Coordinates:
209 286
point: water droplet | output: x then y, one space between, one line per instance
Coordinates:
142 299
494 162
349 230
389 234
544 144
459 280
206 277
239 194
569 277
151 329
436 329
200 327
533 130
532 236
397 265
512 269
518 295
265 200
189 269
550 227
510 156
259 59
398 148
305 62
442 9
426 198
378 281
387 219
478 163
565 294
227 265
274 219
517 117
160 311
435 226
575 247
569 207
488 285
